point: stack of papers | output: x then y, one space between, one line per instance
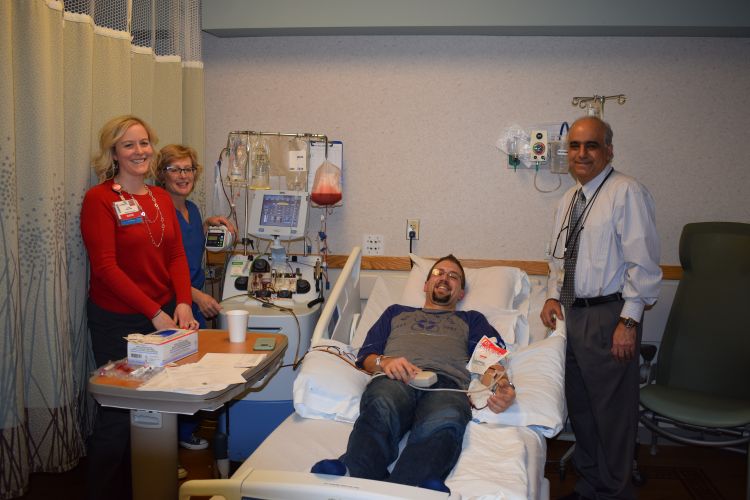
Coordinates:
213 372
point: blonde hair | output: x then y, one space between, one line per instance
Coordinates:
172 152
105 166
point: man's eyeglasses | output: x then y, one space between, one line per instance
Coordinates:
442 272
178 170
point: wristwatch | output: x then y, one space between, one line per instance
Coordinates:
378 362
628 322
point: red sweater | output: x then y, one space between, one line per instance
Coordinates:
129 275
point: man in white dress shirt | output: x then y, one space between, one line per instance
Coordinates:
603 272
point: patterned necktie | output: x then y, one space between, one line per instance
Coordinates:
568 292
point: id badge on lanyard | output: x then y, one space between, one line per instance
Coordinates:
128 212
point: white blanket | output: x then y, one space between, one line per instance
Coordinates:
498 462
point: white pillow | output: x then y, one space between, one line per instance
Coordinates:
494 287
327 387
538 372
513 326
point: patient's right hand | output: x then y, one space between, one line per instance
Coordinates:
399 369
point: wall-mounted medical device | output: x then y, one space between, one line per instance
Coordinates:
218 239
539 148
534 147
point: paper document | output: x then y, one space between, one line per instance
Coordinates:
231 360
213 372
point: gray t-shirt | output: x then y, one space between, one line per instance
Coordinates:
439 341
432 340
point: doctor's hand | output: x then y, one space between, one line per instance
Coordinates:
399 369
551 309
207 304
623 343
183 316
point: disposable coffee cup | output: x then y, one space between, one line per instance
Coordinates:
237 323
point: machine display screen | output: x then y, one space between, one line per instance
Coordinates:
215 239
278 213
280 210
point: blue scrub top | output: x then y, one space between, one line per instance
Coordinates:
194 242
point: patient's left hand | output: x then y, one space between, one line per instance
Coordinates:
503 397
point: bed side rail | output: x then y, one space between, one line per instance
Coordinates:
342 307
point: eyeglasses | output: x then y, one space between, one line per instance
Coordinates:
177 170
562 246
442 272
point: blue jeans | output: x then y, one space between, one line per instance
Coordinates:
390 408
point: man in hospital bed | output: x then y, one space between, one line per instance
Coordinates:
404 342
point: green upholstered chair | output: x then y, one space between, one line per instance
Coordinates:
702 376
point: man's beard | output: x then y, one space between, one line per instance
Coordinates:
438 299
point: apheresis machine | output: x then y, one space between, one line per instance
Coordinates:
272 272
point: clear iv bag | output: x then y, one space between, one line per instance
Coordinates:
297 166
237 158
261 159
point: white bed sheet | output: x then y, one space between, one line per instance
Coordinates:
515 473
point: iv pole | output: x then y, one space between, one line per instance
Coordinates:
595 104
246 180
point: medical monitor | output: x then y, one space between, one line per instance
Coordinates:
278 213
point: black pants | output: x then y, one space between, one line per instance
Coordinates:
109 445
602 397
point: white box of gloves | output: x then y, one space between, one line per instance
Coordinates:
161 347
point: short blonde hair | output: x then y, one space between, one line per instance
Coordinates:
112 131
172 152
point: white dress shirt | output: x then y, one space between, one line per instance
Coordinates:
619 245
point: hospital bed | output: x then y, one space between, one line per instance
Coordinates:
503 454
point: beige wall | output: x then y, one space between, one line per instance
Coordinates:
419 117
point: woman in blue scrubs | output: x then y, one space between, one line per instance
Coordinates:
177 171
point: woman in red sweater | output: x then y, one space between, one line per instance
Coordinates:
139 277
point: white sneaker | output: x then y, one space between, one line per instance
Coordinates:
195 443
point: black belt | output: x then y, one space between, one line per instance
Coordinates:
595 301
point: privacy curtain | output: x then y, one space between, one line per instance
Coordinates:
65 69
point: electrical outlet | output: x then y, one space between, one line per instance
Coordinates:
412 225
372 244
